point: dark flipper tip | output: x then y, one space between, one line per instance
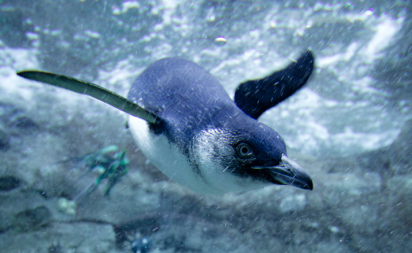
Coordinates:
254 97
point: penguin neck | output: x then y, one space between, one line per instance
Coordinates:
169 157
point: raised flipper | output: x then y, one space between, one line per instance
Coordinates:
254 97
92 90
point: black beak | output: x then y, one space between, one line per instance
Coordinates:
288 172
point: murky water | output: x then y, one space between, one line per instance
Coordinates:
349 126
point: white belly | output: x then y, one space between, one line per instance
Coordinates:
166 157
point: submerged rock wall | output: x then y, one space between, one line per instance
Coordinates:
358 204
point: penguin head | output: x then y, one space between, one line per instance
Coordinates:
248 155
262 155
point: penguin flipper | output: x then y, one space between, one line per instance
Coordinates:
92 90
254 97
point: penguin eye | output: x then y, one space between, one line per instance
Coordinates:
244 150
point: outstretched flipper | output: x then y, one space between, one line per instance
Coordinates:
92 90
254 97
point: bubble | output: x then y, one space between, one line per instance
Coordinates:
220 41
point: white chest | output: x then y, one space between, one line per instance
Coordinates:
166 157
213 179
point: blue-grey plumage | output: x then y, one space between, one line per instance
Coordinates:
187 125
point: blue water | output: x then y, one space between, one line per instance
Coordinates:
344 126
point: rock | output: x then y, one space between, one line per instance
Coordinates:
355 198
8 183
18 205
4 141
293 203
14 34
31 219
24 123
65 237
14 117
398 208
396 159
401 151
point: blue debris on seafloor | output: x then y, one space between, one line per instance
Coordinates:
141 245
112 165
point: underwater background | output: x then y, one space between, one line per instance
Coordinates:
350 127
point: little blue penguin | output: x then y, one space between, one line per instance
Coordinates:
186 124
